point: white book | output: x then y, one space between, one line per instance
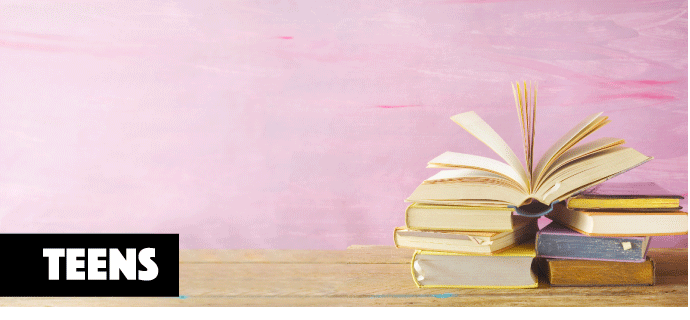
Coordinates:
509 269
621 223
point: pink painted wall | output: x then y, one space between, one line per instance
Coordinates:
304 124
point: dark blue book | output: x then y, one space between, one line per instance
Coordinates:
557 241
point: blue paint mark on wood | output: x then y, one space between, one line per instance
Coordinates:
440 296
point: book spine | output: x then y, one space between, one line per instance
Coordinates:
395 237
414 274
530 211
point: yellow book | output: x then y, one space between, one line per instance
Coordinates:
458 218
626 196
510 269
648 203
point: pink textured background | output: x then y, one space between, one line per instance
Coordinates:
304 124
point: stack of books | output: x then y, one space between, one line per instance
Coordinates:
469 247
461 220
601 237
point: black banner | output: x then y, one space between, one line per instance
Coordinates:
89 265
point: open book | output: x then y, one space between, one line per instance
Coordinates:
562 171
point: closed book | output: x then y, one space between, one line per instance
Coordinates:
597 273
626 196
509 269
557 241
621 223
458 218
467 241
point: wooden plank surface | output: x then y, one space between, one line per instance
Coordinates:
366 276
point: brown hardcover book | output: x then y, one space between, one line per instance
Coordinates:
562 272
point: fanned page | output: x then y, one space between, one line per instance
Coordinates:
526 105
582 151
470 187
471 122
470 174
461 160
579 132
587 171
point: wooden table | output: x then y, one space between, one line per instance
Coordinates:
366 276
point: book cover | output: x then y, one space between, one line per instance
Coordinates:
597 273
557 241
